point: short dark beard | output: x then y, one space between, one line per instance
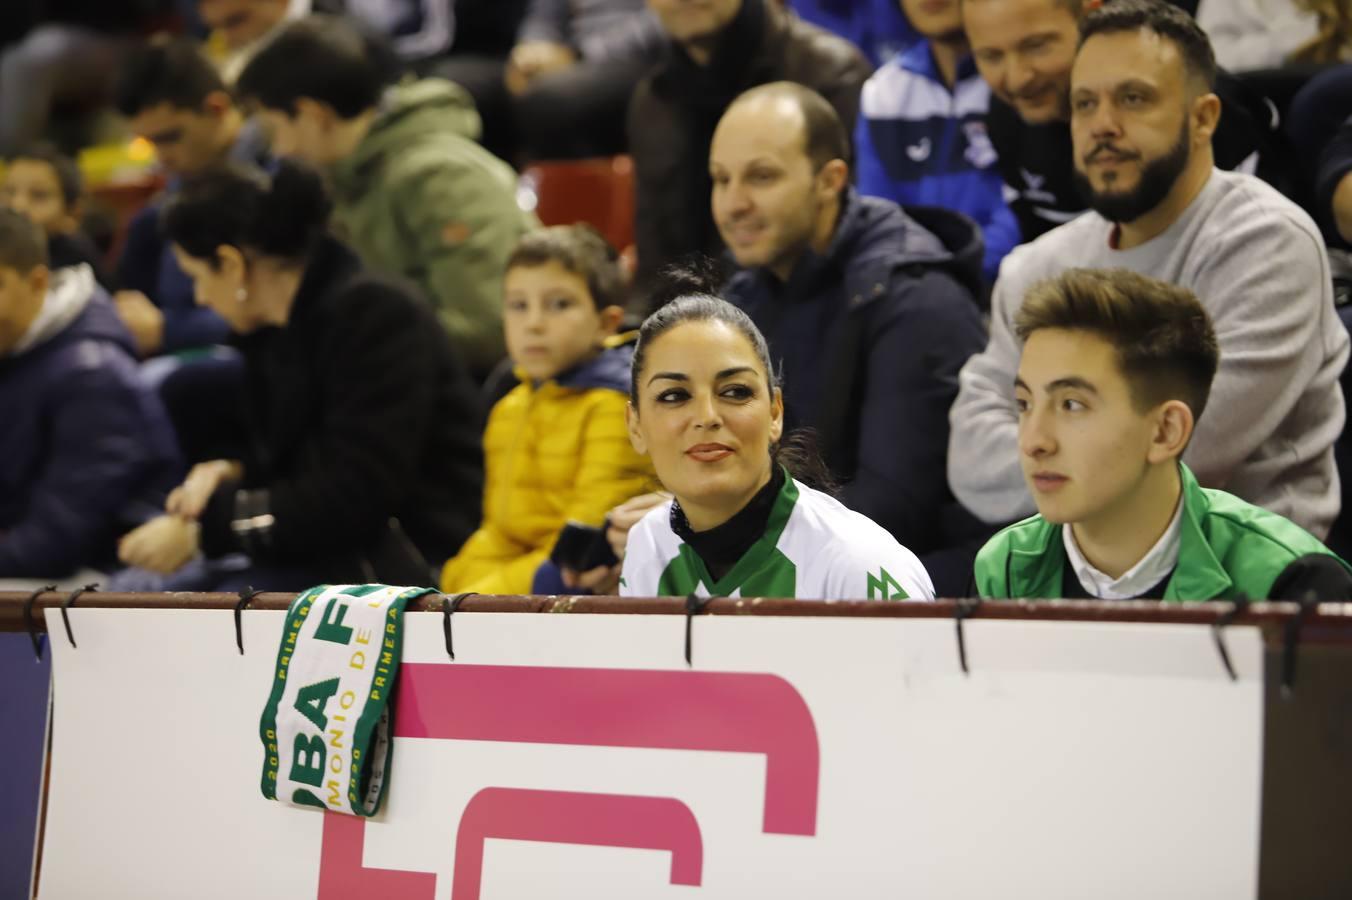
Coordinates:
1157 180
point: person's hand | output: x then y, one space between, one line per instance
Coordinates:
190 498
162 545
143 319
600 580
626 516
531 59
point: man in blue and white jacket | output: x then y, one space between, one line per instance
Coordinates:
921 137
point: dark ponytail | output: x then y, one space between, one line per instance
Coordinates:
688 293
798 452
281 215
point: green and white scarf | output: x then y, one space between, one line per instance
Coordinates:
326 727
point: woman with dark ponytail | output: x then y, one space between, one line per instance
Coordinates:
705 404
361 461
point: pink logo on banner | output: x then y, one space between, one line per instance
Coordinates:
709 711
605 820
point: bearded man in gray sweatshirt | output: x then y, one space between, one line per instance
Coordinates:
1142 116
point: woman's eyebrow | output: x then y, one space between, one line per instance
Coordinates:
670 376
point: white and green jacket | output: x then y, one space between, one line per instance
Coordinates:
813 548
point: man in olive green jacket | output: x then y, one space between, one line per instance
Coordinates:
414 193
1116 369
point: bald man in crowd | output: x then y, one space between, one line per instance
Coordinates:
869 313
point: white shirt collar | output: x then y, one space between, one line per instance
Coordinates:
1153 568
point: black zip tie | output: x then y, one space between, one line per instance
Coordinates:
1291 643
31 623
246 597
693 605
1237 608
70 601
450 605
963 609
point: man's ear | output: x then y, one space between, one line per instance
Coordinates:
834 176
38 280
1206 117
635 436
1174 425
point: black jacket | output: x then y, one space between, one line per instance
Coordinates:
360 413
674 111
870 337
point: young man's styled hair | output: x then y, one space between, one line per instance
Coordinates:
1167 21
579 249
23 246
1166 347
323 58
172 71
65 168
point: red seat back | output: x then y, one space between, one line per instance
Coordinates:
599 192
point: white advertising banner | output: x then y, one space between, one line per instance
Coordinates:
566 756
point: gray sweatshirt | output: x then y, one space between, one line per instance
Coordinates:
1257 263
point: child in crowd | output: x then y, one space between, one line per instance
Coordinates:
706 406
555 447
86 451
45 185
1115 372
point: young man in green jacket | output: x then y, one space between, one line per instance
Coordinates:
1115 372
414 193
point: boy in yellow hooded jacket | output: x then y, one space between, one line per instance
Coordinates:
556 449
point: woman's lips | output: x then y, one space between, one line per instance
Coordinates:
709 452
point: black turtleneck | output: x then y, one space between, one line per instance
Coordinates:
723 545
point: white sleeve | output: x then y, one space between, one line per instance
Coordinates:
873 566
642 568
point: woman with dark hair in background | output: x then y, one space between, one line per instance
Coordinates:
362 460
706 406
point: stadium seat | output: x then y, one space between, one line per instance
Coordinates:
599 192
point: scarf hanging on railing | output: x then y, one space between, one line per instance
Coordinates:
326 727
